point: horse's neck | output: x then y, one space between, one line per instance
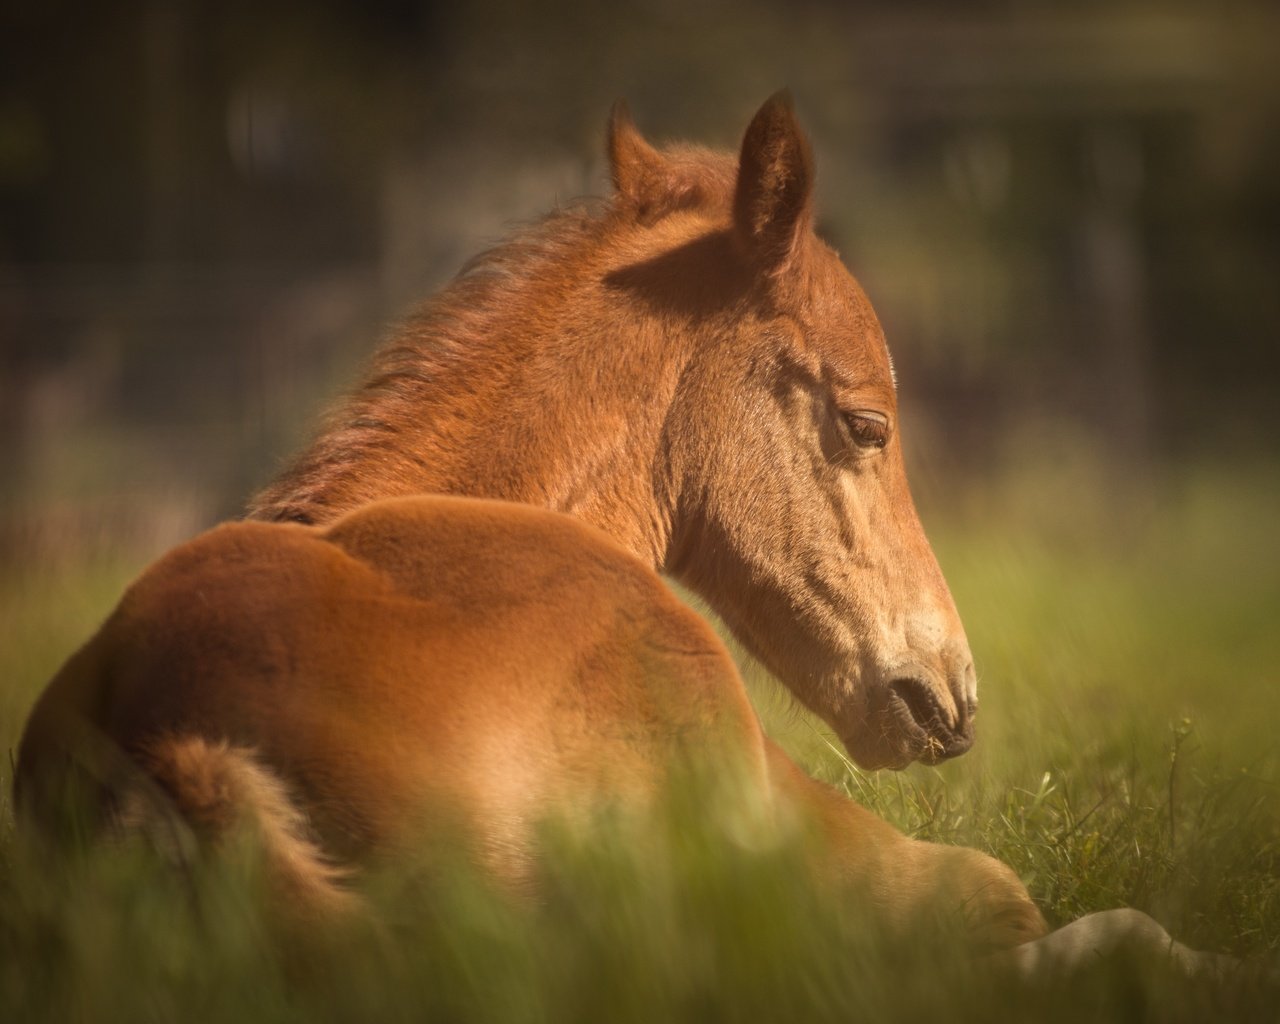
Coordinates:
589 452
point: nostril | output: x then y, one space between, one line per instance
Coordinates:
964 690
964 730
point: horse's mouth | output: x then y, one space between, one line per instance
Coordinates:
911 724
935 734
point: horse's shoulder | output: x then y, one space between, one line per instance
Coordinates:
435 535
484 553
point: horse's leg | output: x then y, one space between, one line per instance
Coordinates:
1108 933
902 878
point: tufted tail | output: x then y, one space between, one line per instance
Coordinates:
221 790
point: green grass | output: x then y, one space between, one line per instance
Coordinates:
1126 757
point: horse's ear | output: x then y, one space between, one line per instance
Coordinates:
773 197
633 163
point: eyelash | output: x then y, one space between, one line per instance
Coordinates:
868 430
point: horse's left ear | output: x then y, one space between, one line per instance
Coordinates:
633 163
773 198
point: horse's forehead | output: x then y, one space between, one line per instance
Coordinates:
842 326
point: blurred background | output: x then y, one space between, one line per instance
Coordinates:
1068 217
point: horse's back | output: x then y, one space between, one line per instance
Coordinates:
497 661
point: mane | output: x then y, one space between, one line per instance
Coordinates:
457 344
442 341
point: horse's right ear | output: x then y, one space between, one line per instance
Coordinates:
773 198
633 164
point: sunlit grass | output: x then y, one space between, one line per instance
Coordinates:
1129 696
1125 757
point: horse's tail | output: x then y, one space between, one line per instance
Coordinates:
179 790
223 792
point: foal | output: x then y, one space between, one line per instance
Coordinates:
449 608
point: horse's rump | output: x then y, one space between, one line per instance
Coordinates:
490 662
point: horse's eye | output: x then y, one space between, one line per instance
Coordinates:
868 429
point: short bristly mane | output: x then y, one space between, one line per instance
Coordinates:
434 382
429 359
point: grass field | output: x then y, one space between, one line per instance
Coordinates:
1126 644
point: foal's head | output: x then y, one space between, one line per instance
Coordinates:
779 461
